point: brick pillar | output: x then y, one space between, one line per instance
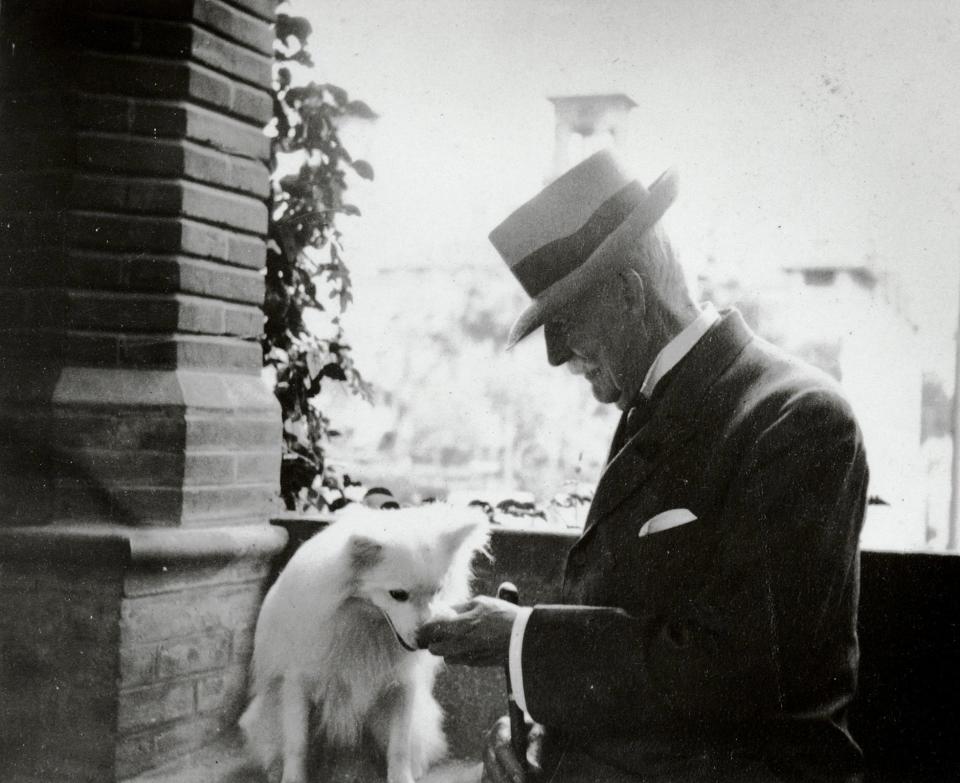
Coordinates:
139 448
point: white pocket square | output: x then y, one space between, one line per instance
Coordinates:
666 520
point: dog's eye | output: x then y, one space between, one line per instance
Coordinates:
399 595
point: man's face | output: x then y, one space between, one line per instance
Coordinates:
587 336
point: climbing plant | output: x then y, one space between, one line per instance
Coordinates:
307 278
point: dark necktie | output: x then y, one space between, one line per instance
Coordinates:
639 413
631 422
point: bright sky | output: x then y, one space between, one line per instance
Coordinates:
822 130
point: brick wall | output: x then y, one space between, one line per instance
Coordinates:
58 635
122 651
185 644
133 188
139 447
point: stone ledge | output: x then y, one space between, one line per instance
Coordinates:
82 542
188 389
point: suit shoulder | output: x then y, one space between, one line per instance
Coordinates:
777 382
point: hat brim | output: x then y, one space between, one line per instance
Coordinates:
612 250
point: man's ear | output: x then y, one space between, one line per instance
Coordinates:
632 290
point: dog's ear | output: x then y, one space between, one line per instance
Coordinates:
469 530
364 552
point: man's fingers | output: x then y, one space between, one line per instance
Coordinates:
441 630
509 761
450 641
535 749
491 767
429 633
503 751
499 763
463 658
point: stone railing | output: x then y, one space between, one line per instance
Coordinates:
125 651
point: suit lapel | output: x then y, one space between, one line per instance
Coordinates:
675 415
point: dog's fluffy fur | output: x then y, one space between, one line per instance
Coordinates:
329 671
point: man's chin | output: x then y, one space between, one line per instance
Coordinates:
605 395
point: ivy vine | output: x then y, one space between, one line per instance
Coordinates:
306 270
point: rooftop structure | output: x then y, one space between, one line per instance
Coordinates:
586 124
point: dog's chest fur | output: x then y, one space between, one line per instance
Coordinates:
365 666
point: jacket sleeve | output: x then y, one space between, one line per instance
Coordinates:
784 588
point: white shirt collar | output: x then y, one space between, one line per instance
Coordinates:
679 347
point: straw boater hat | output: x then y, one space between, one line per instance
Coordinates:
576 228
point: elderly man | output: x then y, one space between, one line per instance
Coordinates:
708 624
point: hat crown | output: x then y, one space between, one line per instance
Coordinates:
574 229
561 208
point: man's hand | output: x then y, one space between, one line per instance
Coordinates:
500 763
478 635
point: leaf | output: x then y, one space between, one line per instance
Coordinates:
308 167
295 186
314 366
296 26
303 57
338 94
361 110
363 168
277 354
334 371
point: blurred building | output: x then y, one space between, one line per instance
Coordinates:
585 124
455 413
846 319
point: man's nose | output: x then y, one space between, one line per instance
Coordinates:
555 337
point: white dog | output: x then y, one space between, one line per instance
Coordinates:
335 658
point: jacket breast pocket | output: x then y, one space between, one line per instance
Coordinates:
671 565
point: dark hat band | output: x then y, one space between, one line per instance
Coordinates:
557 259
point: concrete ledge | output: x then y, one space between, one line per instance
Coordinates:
909 630
118 543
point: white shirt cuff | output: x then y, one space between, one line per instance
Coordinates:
516 648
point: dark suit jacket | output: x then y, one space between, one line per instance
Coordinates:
727 644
